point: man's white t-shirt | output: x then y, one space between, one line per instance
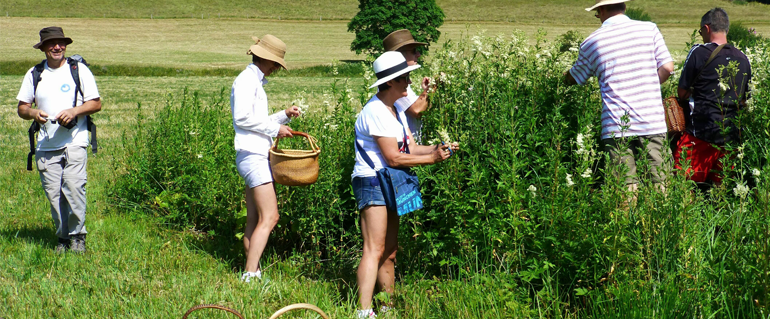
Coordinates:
404 103
55 93
375 120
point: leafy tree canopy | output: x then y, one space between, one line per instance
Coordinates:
378 18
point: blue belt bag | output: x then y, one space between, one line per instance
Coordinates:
400 186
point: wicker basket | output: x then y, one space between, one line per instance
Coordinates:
674 115
274 316
295 167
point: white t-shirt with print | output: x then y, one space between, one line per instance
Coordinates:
55 93
375 120
404 103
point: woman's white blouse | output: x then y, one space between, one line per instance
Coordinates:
254 128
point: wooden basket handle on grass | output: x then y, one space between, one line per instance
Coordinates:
199 307
299 306
274 316
309 138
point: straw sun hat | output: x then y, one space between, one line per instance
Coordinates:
600 3
269 48
390 65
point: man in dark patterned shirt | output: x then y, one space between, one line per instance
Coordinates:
715 98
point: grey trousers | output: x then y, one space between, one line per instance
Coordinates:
63 175
654 147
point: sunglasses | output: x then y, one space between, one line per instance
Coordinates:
403 77
700 31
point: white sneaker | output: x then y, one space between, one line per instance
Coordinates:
247 276
365 314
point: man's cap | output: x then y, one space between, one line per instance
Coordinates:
600 3
399 38
51 33
269 48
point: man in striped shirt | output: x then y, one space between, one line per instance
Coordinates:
631 61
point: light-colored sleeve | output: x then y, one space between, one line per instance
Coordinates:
87 83
242 99
280 117
662 56
582 70
26 93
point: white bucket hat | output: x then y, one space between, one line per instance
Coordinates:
600 3
390 65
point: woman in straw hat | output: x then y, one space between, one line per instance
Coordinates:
381 135
254 133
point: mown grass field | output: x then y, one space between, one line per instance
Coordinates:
222 43
137 268
518 11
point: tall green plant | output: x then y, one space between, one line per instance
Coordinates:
378 18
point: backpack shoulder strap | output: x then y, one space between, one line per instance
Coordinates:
36 72
75 70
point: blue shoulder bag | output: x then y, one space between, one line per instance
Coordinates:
399 186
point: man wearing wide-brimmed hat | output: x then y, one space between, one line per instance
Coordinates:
60 155
412 104
631 61
254 133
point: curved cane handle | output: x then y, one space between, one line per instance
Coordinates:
299 306
199 307
309 138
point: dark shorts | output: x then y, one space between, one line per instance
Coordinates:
366 193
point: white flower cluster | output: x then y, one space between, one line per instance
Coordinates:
741 190
569 180
533 190
301 102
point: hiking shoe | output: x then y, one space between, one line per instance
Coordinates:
78 244
63 245
249 276
365 314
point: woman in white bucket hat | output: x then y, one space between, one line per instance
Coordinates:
254 133
381 134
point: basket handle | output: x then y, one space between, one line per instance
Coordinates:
199 307
309 138
299 306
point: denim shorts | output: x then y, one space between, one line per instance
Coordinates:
367 191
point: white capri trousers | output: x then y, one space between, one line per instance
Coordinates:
254 168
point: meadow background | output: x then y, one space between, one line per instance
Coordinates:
165 204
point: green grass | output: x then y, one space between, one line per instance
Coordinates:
518 11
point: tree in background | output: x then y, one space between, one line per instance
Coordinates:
378 18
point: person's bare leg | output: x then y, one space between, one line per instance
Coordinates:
386 276
267 211
374 229
251 218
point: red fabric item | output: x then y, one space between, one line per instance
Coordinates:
704 159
